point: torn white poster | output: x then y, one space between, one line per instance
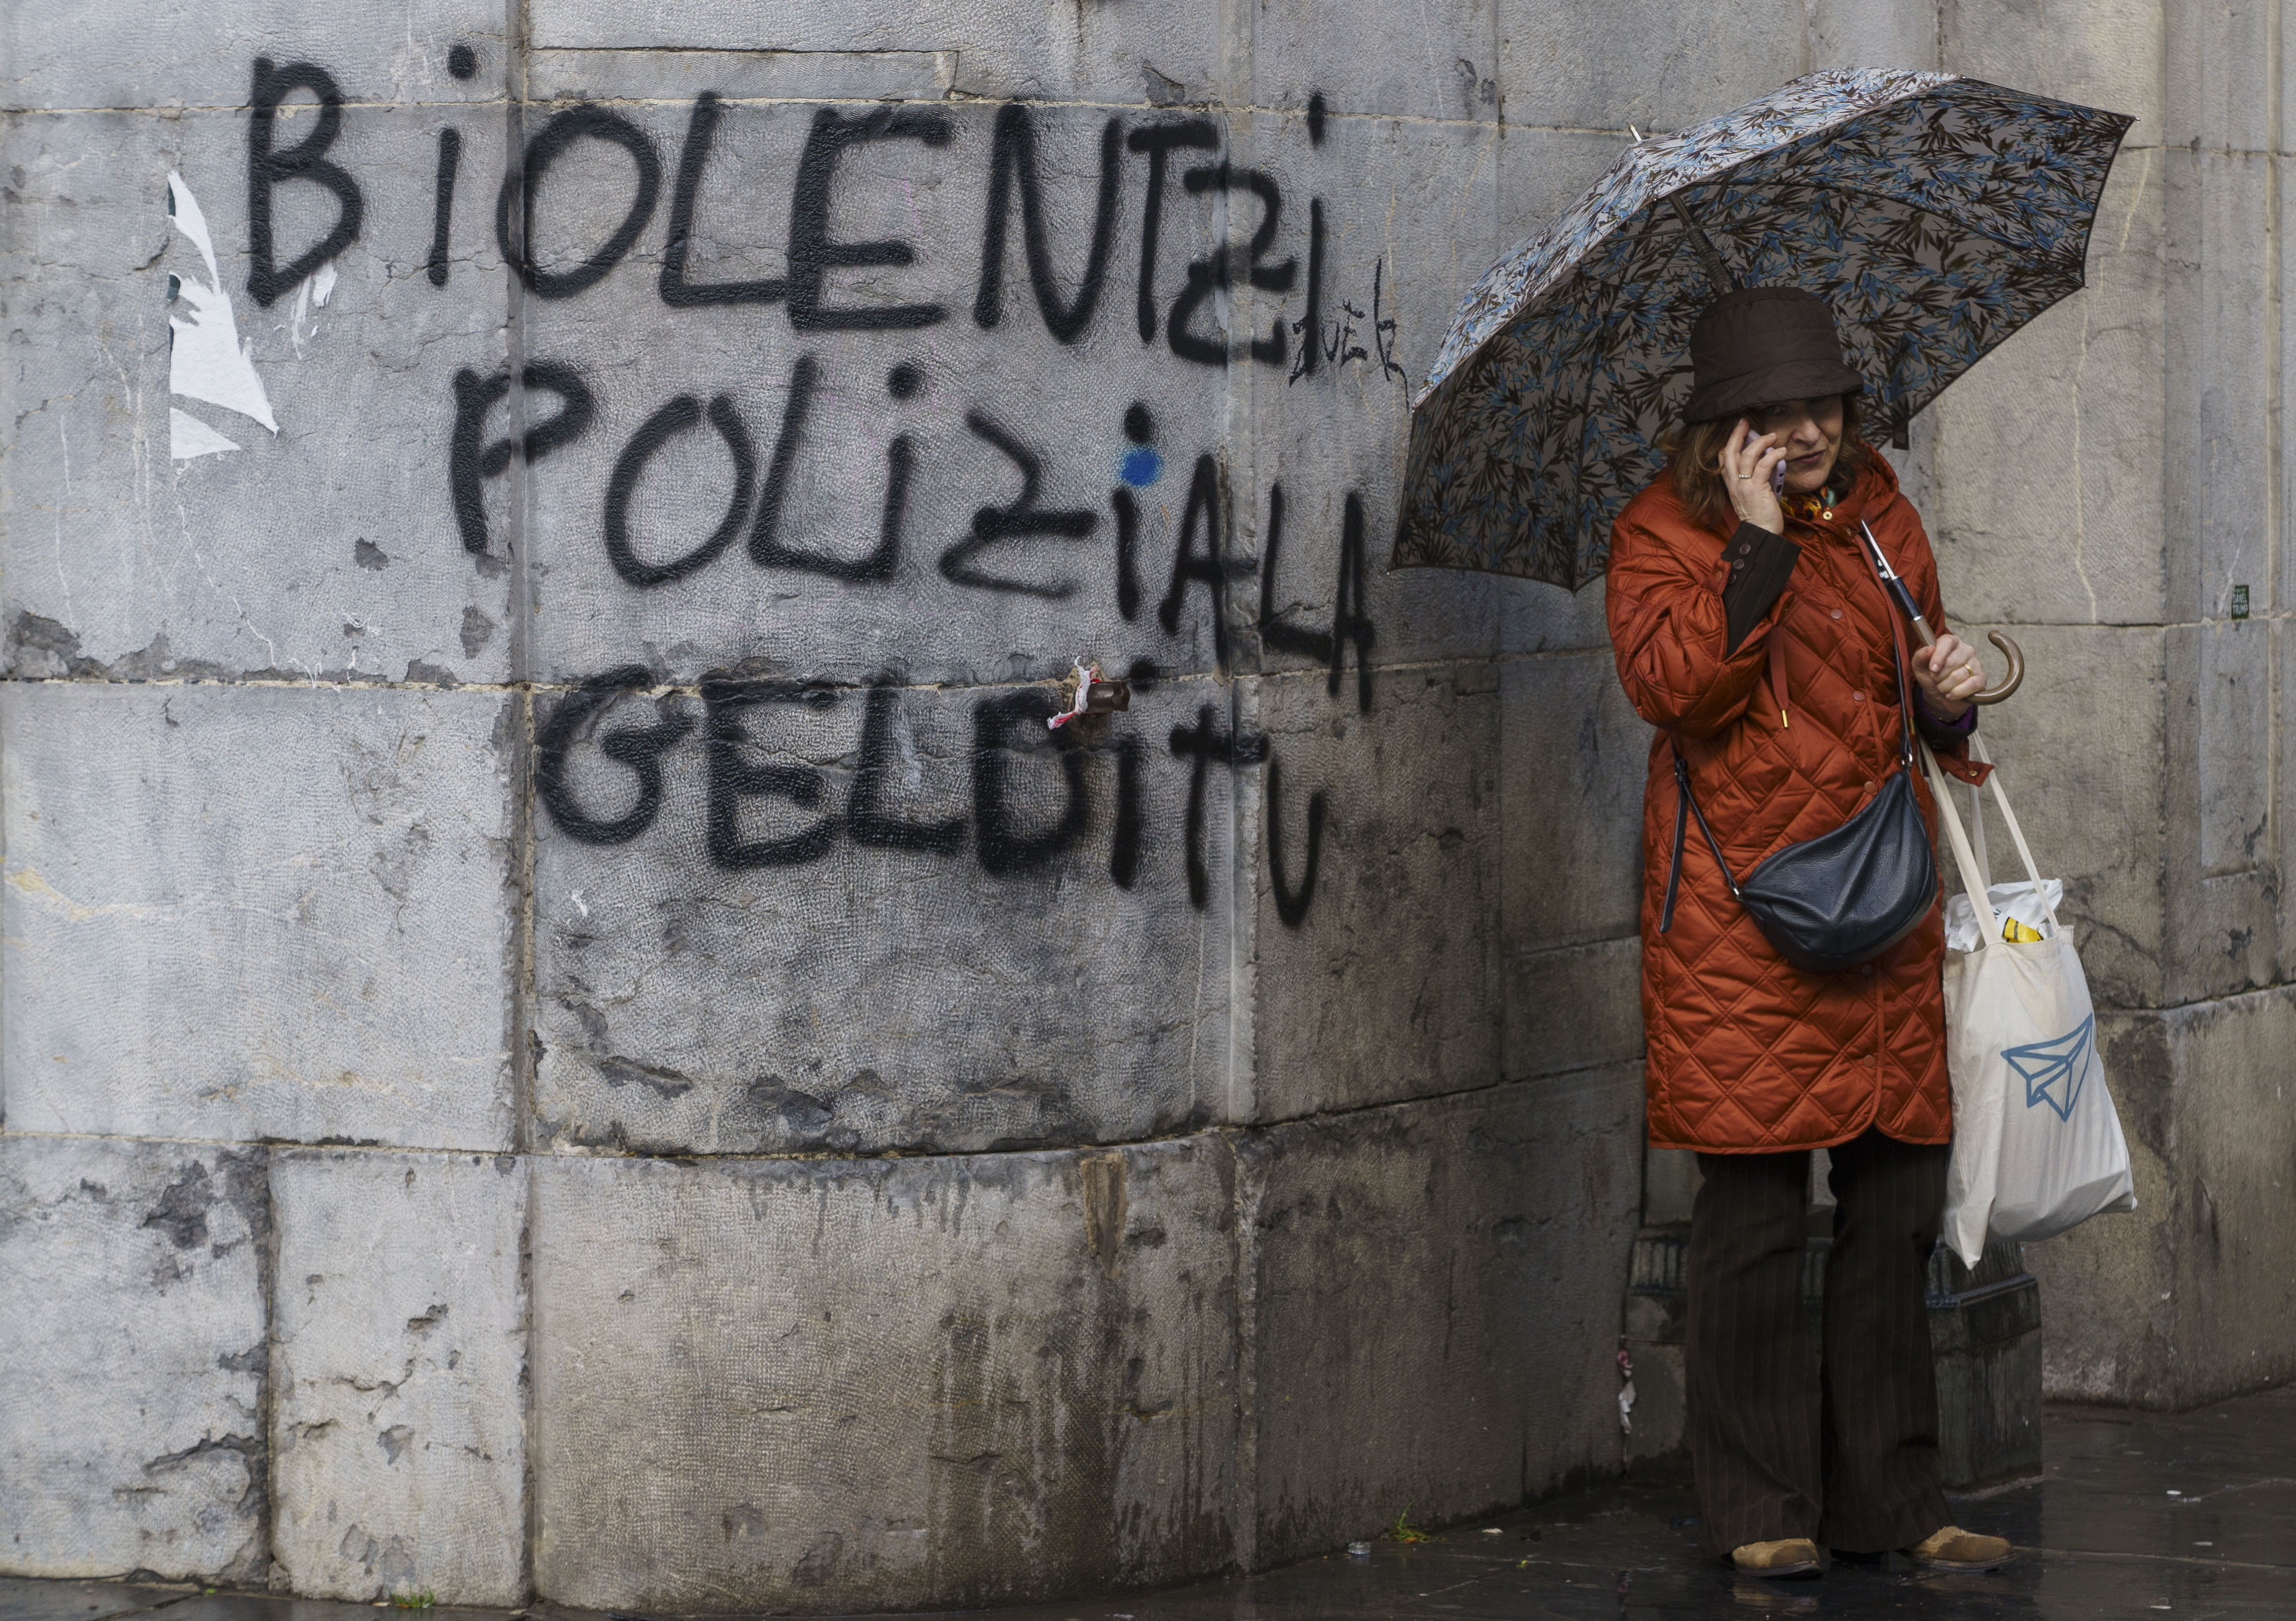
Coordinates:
188 437
210 362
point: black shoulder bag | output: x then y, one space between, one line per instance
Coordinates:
1844 897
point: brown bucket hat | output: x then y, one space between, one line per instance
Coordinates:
1762 344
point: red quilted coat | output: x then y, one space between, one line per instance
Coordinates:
1748 1054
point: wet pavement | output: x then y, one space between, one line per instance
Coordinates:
2138 1515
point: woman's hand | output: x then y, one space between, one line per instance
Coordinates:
1747 460
1949 676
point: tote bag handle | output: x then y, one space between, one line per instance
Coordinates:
2016 833
1976 877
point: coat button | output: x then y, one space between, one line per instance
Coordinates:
1857 698
1837 613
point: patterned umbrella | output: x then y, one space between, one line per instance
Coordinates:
1937 215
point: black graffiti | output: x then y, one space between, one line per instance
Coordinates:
1215 274
1310 326
733 778
811 253
269 167
866 818
680 415
1213 566
1351 607
1014 153
469 466
1160 140
1205 745
639 747
1021 520
514 203
1351 623
692 158
1128 545
1011 834
1291 904
1383 329
442 207
767 548
1131 820
999 840
1031 800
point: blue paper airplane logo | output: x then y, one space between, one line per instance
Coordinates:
2054 1071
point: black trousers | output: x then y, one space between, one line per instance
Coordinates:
1839 1445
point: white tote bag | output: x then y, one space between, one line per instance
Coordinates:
2037 1147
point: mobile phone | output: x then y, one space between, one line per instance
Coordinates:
1778 478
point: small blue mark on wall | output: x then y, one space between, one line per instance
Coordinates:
1141 467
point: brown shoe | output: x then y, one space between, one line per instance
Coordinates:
1794 1556
1951 1548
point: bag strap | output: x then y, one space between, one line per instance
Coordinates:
1681 830
1973 881
2016 833
1685 805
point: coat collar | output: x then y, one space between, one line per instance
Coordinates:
1870 494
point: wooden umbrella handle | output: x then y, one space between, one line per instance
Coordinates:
2009 651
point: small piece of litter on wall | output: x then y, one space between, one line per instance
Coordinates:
2203 1544
2173 1491
1492 1531
1359 1551
1085 676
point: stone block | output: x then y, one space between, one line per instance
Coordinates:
2217 75
1175 55
263 911
398 1431
1571 1006
1376 958
1573 760
2284 806
1442 64
623 75
2047 504
2188 1299
1872 34
1670 1184
1661 1403
831 1385
907 919
2221 866
2081 747
2218 451
132 1359
1031 528
1661 64
1436 1304
85 54
153 533
2099 53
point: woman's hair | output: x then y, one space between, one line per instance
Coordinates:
1693 459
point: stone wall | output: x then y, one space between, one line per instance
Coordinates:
569 1029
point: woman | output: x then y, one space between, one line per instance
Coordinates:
1751 630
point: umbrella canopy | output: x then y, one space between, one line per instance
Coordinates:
1935 214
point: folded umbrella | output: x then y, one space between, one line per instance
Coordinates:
1935 213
